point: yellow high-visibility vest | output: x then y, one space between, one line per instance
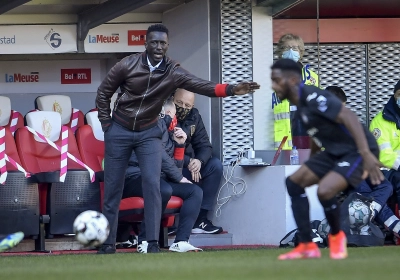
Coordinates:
388 137
282 125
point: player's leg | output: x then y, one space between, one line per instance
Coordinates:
329 186
347 171
307 175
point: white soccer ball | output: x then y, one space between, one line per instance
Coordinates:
324 228
359 214
91 228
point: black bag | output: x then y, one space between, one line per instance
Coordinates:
291 239
355 216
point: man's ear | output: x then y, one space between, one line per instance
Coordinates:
294 79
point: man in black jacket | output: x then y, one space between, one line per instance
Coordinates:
199 165
146 80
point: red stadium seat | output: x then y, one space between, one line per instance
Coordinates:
9 118
19 196
70 117
65 200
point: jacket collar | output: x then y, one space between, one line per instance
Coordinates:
390 112
162 66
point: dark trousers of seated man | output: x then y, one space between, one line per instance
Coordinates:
393 177
211 175
119 143
191 195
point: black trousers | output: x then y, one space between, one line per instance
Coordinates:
147 144
211 175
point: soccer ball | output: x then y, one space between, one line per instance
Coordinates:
359 214
324 228
91 228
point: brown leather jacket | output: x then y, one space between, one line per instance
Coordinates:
143 92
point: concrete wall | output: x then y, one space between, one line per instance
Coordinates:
261 214
189 43
262 60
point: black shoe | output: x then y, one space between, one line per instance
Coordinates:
206 226
106 249
153 248
145 247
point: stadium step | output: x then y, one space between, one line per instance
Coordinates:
69 243
199 240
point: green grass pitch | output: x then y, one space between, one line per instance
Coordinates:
363 263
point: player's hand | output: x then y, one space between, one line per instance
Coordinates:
196 176
179 135
245 87
185 180
372 167
194 165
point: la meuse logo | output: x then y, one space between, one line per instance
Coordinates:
114 38
33 77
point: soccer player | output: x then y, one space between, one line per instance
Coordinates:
350 153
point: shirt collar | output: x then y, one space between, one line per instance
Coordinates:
152 68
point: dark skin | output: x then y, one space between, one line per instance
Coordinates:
157 45
286 85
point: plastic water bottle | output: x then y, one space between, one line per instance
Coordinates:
294 156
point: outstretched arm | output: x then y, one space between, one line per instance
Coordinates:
184 79
245 87
371 163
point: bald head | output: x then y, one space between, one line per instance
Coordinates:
184 98
184 102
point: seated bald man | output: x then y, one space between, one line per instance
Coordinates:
199 165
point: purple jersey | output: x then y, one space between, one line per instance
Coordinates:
318 110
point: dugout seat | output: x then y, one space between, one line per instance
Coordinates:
9 118
19 196
90 139
70 117
60 201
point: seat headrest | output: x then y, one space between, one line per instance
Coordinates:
46 123
5 110
56 103
93 120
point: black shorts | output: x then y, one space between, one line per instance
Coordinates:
350 166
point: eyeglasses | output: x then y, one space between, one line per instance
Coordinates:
295 48
186 105
155 44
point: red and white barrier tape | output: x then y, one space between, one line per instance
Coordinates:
14 121
4 157
74 119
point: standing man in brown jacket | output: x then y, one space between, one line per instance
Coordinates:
146 80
